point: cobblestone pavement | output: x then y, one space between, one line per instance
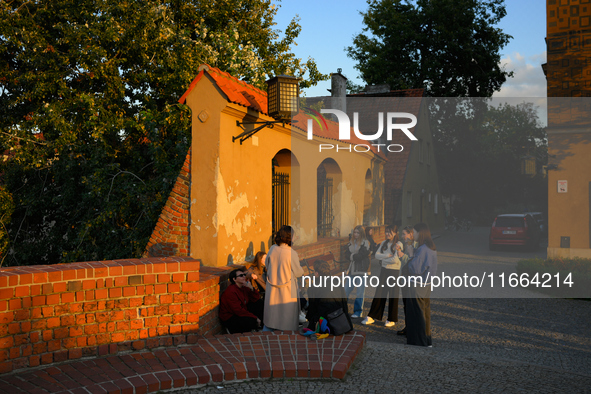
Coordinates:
479 344
495 345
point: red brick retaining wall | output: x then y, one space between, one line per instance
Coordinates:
67 311
336 246
171 235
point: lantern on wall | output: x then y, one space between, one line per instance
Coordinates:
283 96
283 101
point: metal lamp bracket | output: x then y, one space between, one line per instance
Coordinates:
246 134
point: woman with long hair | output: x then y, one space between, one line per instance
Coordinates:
421 269
407 238
282 305
258 273
389 254
358 251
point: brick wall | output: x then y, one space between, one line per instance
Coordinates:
68 311
336 246
171 235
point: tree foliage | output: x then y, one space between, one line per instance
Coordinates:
89 121
448 47
479 153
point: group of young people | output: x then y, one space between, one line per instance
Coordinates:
267 295
412 255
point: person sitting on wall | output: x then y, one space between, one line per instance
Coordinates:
241 306
257 273
324 300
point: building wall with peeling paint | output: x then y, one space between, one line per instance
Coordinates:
230 211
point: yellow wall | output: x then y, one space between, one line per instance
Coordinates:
568 213
349 186
231 184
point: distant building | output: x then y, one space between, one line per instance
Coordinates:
411 182
568 75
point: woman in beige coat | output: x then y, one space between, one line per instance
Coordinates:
282 306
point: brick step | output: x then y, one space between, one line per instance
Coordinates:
216 359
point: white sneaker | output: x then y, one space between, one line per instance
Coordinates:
303 317
355 316
367 320
389 324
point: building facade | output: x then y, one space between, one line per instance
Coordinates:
568 75
231 196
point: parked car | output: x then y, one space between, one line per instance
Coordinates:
539 216
515 229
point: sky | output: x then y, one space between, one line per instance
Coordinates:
328 27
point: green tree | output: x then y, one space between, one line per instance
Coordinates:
448 47
90 125
479 153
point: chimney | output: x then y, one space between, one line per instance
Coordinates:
338 91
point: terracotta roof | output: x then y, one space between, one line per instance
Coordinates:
392 93
237 91
241 93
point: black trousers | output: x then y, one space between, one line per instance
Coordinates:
378 304
236 324
418 316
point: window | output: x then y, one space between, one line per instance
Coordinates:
428 154
408 204
436 205
420 150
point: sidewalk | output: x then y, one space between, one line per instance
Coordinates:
479 345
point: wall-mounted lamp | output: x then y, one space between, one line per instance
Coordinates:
283 100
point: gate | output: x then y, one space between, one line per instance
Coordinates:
324 207
280 200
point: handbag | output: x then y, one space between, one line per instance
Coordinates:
338 322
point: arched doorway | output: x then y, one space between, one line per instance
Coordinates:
367 198
285 172
329 176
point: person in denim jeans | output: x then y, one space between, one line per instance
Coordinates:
358 251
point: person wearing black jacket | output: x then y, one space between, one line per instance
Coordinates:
373 247
323 299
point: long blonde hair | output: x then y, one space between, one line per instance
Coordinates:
361 231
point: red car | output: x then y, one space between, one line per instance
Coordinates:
514 229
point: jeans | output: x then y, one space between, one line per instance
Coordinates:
358 305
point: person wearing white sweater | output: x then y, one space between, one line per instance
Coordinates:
389 254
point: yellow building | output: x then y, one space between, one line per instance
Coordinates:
568 74
229 193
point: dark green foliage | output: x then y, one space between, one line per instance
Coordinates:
448 47
578 268
478 150
90 123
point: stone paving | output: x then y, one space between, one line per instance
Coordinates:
508 344
496 345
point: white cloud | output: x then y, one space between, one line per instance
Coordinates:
528 78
